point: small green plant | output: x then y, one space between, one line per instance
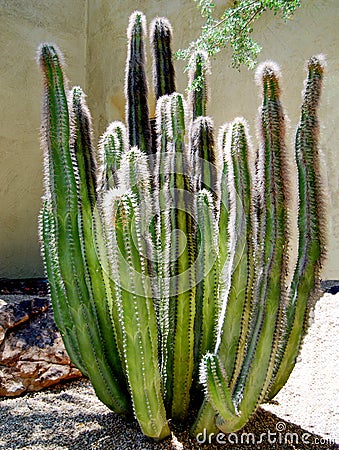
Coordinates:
167 251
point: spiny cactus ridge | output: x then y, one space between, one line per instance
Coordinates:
169 272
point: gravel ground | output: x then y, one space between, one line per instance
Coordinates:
305 417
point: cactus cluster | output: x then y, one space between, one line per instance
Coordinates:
167 250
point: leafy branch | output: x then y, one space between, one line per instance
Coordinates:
234 29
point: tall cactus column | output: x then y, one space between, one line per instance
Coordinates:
136 86
65 190
182 254
267 293
137 314
163 68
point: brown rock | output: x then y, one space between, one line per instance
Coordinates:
32 354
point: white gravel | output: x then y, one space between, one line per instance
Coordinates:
310 396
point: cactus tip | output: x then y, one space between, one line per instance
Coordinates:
110 198
198 59
200 56
161 24
49 51
78 93
242 122
137 20
318 62
267 70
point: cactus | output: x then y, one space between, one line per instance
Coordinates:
163 68
136 86
197 87
168 273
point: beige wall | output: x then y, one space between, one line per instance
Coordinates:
97 63
23 25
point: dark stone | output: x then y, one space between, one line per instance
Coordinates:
32 354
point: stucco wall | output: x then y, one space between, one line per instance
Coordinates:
99 43
23 25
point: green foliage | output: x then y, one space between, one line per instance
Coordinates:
234 28
168 271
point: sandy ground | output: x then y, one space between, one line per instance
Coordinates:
310 398
305 417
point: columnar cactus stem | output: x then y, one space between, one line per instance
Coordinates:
224 204
305 288
197 94
163 68
163 142
86 163
137 314
112 146
136 90
269 284
182 254
135 177
57 291
207 276
81 141
214 379
63 188
207 158
232 322
163 233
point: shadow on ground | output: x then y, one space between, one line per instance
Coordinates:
71 417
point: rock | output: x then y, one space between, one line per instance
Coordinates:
32 354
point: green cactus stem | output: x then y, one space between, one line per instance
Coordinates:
136 87
113 144
62 177
197 86
137 314
182 255
305 288
163 142
162 243
57 291
269 286
214 379
207 276
207 157
233 320
86 164
163 68
224 202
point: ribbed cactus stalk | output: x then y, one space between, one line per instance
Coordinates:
182 255
198 94
168 273
207 157
163 68
136 86
207 276
237 268
113 144
305 288
136 310
267 291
